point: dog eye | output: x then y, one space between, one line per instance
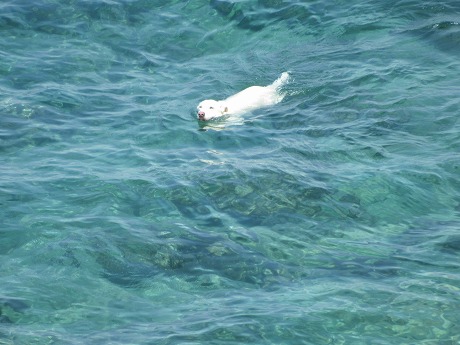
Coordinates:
211 107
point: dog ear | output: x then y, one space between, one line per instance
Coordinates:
223 108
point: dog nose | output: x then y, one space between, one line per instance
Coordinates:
201 114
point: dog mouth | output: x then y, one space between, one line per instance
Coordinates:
201 117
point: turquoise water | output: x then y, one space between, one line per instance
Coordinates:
330 218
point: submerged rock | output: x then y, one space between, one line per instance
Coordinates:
257 15
15 305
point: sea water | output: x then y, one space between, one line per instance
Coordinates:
332 217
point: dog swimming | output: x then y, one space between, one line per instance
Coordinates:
252 98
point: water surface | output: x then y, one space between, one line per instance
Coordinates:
330 218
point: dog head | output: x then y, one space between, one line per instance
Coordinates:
209 109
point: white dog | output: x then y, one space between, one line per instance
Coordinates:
249 99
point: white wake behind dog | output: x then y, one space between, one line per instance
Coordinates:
252 98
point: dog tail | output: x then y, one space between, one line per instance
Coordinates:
282 80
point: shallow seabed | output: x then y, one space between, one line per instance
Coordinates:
330 218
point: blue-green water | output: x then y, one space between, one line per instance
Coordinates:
330 218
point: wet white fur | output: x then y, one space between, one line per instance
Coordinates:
249 99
